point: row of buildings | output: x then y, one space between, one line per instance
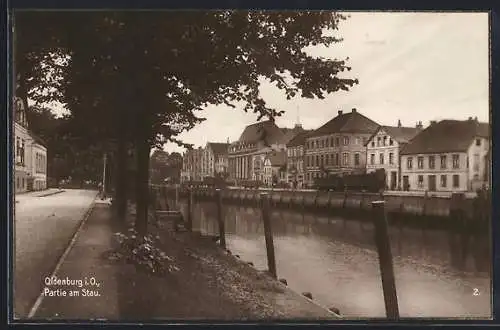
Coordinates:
449 155
30 154
210 161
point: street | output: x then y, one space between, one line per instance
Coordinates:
43 229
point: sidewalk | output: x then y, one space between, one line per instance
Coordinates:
210 284
39 193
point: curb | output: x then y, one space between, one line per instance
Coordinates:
52 193
86 215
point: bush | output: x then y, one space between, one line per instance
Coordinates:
144 253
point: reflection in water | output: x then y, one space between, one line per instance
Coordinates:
336 260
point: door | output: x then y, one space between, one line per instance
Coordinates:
394 179
406 183
432 183
30 184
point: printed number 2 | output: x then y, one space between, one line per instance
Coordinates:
475 292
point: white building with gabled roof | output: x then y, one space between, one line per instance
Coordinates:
448 156
382 151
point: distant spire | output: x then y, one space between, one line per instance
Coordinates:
297 124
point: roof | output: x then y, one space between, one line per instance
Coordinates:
399 133
38 139
347 122
299 139
218 148
263 130
277 158
290 133
446 136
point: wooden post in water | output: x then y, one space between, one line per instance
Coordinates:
385 260
220 218
189 224
268 232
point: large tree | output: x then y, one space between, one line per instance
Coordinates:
142 76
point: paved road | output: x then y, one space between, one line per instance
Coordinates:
43 229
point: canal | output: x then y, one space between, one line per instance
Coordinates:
336 260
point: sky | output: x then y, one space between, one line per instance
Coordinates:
410 66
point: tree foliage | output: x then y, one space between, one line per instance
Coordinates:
144 77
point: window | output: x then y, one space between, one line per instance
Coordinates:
432 162
478 142
337 160
456 181
345 158
456 161
322 143
385 140
18 150
346 140
364 140
356 140
476 164
356 159
378 141
337 142
373 143
391 158
443 161
322 157
331 142
317 161
22 151
420 162
391 142
372 159
409 163
443 181
420 181
381 159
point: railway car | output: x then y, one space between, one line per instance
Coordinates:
371 182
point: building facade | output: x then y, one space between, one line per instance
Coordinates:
30 154
450 155
382 151
295 160
214 159
274 168
192 165
246 156
338 147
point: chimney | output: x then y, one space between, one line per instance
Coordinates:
432 122
470 118
340 112
399 123
475 119
419 125
353 110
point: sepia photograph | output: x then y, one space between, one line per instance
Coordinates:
250 165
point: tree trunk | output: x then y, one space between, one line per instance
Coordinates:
142 183
121 179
